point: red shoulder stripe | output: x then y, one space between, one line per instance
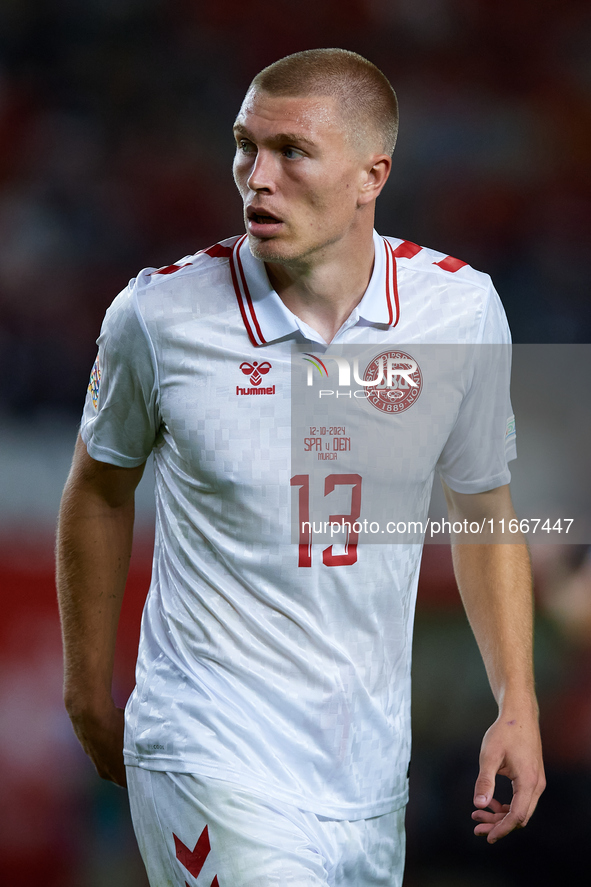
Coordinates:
450 264
217 251
406 250
170 269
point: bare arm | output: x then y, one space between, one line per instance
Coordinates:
94 542
496 588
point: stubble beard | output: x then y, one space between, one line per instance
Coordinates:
265 251
280 254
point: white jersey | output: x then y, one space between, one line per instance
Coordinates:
292 682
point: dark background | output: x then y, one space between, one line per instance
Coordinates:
115 153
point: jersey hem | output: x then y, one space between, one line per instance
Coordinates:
348 812
104 454
479 486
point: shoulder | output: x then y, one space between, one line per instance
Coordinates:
445 269
196 286
445 297
204 263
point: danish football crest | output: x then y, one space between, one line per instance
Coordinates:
401 381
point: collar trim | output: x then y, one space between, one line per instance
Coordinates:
281 324
391 258
243 296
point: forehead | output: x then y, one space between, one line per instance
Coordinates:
312 117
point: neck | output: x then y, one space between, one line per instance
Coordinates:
324 291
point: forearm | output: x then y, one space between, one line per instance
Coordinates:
495 583
94 542
93 550
496 589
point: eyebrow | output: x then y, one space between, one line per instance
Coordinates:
280 137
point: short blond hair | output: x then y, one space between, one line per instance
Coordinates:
364 94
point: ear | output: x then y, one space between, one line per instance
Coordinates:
375 177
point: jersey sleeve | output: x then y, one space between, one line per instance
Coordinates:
482 441
121 419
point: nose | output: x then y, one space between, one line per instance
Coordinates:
262 174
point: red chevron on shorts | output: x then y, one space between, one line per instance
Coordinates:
194 859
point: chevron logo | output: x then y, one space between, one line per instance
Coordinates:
194 860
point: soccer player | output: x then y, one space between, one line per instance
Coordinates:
267 739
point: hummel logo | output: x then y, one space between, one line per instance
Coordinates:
256 371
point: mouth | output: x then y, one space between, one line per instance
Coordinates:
261 221
261 216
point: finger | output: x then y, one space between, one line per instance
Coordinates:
482 830
515 818
485 784
112 771
485 827
486 820
497 807
540 788
119 779
525 797
487 816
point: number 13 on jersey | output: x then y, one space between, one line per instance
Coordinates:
329 559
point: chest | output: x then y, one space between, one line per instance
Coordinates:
238 416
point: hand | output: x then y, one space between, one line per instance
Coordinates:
101 736
511 747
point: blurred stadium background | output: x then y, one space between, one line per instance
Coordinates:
115 153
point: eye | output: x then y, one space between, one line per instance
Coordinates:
291 153
244 146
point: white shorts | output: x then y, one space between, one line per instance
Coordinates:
200 832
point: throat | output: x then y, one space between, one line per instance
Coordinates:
323 302
325 315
